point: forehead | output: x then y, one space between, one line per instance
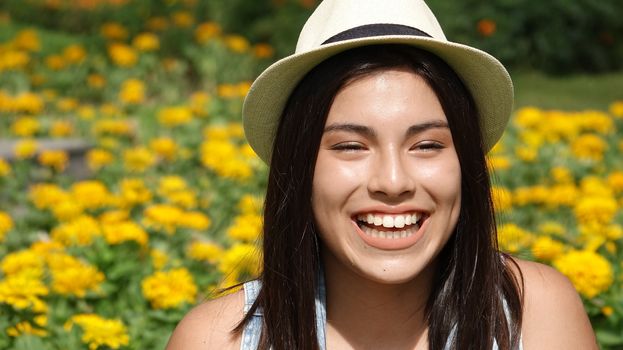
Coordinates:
385 98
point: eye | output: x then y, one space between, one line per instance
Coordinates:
427 146
348 147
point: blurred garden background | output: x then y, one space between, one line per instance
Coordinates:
128 193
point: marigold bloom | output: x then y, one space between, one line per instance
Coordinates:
589 272
205 251
547 249
146 42
225 159
589 147
74 54
616 109
250 204
113 127
99 331
73 277
25 126
158 258
5 168
98 158
79 231
170 289
498 163
157 24
175 116
22 292
240 260
132 91
91 194
236 43
119 232
183 19
502 198
55 159
6 224
113 31
45 196
25 327
24 262
28 40
561 175
55 62
61 128
600 210
615 181
263 50
207 31
162 217
25 149
247 228
96 81
199 102
122 55
512 238
13 60
138 159
67 104
67 209
195 220
164 147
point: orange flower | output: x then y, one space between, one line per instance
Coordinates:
486 27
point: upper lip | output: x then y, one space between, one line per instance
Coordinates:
390 210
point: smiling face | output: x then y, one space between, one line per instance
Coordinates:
387 182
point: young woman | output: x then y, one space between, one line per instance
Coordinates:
379 229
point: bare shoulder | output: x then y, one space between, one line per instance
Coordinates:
209 325
554 316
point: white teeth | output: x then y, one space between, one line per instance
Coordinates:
388 221
382 234
390 234
370 218
378 221
408 220
399 221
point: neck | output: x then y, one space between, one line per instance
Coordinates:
362 312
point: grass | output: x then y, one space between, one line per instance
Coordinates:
573 92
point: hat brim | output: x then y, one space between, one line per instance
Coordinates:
483 75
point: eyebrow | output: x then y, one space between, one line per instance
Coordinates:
369 132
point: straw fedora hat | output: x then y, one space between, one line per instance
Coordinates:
339 25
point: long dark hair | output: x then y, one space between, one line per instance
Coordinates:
473 280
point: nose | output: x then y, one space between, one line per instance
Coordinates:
390 175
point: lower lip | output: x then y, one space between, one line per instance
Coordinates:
391 244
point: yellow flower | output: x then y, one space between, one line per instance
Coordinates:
24 262
225 159
530 195
561 175
236 43
615 181
158 258
45 196
91 194
98 158
593 186
67 104
175 116
22 292
607 311
205 251
25 327
186 199
194 220
165 147
13 60
502 198
146 42
73 277
74 53
247 228
80 231
600 210
616 109
263 50
119 232
122 55
86 112
547 249
589 147
512 238
528 117
55 62
562 195
527 154
199 102
171 289
61 128
100 332
163 217
25 149
157 24
113 31
250 204
589 272
67 209
96 81
134 192
207 31
240 260
28 40
132 91
55 159
113 127
498 162
138 159
5 168
183 19
25 126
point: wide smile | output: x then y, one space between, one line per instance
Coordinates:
390 231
